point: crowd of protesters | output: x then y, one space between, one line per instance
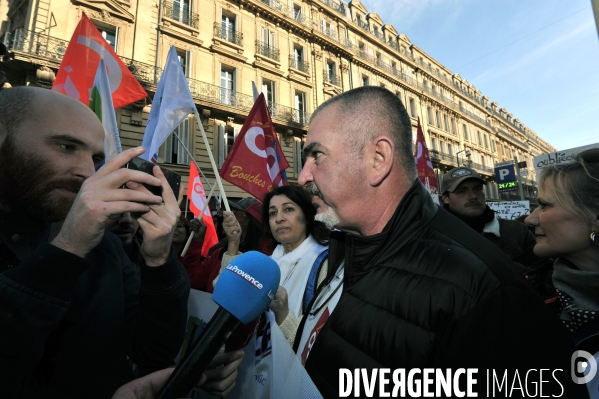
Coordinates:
370 265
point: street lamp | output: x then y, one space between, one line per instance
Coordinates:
468 153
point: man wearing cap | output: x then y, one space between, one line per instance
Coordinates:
464 197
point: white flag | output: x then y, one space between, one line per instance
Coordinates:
172 103
101 103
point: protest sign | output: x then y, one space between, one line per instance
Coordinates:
510 209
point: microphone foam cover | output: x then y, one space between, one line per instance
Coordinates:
247 285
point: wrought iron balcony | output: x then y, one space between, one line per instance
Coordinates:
180 13
298 16
218 95
228 34
337 6
331 78
38 44
267 51
440 156
362 25
298 64
145 73
277 5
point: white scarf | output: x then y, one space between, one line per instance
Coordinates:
295 269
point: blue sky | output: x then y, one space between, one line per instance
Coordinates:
548 78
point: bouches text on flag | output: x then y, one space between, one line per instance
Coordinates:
80 62
424 166
171 104
256 161
197 199
101 103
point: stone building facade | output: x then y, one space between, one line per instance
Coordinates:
298 52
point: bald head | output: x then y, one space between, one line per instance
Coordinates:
369 111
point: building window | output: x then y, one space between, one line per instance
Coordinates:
226 138
438 117
493 146
434 144
429 113
296 12
299 159
442 147
446 124
452 125
227 85
449 149
486 142
109 33
229 28
266 46
412 108
483 162
465 128
300 108
394 68
174 152
331 73
298 59
268 88
185 61
365 80
480 142
181 11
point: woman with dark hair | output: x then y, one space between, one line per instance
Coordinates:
301 252
243 230
566 225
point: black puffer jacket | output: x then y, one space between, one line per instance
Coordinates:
429 291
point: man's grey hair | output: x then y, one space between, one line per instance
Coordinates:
15 105
368 111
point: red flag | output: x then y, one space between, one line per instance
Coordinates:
80 63
197 199
424 166
256 162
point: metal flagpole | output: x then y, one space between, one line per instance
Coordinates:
194 161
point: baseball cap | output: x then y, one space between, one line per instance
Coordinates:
453 178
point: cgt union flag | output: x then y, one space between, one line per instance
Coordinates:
80 63
424 166
256 162
197 199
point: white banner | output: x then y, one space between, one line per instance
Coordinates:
269 370
510 209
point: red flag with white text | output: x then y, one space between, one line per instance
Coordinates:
197 199
424 166
80 62
256 162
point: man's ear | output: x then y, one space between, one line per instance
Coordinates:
445 198
381 153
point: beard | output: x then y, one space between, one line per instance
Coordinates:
28 185
326 216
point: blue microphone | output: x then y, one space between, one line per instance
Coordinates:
243 290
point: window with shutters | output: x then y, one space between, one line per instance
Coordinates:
299 158
226 138
109 33
228 28
227 85
268 88
296 12
297 60
174 149
300 108
266 46
185 61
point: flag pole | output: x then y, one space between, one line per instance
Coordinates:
218 180
192 158
199 217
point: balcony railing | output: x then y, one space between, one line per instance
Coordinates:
145 73
277 5
181 13
267 51
218 95
228 34
440 156
362 25
299 64
38 44
337 6
298 15
332 79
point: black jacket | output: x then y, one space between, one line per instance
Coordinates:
429 291
67 324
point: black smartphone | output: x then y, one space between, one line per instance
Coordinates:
173 179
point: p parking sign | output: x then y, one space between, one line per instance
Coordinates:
505 175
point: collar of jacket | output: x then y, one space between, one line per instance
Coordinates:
362 253
493 227
21 233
